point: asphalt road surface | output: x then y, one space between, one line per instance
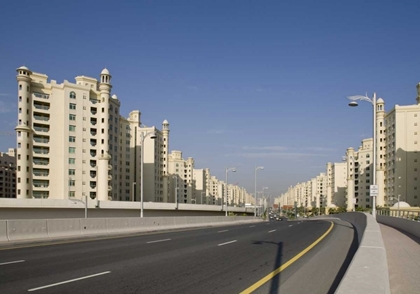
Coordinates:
227 259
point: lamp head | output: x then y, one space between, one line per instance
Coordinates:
234 170
353 104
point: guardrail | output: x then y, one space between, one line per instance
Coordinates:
405 224
401 213
44 229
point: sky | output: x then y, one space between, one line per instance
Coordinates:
242 83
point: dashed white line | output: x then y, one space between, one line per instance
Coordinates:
156 241
271 231
223 231
10 262
290 226
227 243
69 281
251 226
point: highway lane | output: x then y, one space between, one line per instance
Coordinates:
212 260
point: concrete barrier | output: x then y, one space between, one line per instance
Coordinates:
3 231
63 227
91 226
21 230
402 224
368 271
18 230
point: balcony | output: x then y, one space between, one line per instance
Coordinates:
41 139
42 106
40 161
40 150
41 172
93 174
93 142
93 110
93 100
93 153
38 116
41 128
93 121
41 184
93 163
41 95
41 194
109 167
92 185
93 132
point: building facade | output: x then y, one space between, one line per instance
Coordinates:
182 176
8 174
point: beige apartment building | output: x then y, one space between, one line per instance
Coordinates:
338 185
401 155
72 142
8 174
181 172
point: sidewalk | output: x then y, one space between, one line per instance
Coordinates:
403 255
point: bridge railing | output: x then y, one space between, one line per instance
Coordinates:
400 213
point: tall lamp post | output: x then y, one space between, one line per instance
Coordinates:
372 100
143 136
232 169
255 186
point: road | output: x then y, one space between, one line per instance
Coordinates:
227 259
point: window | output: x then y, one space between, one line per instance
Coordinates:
72 172
72 182
72 139
72 160
72 149
72 95
72 117
72 128
71 194
72 106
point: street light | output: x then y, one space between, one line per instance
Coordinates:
232 169
152 135
256 169
372 100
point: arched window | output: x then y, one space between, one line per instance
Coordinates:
72 95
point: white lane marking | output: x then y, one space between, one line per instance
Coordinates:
9 262
251 226
290 226
227 243
271 231
69 281
223 231
163 240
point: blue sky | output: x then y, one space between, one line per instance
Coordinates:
242 83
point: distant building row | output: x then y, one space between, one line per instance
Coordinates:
72 142
347 184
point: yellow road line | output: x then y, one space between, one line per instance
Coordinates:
286 265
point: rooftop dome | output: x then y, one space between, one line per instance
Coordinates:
23 67
380 100
114 96
165 122
402 205
105 72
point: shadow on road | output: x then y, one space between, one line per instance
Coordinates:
275 281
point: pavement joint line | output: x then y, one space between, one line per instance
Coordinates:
223 231
290 226
274 273
69 281
227 243
10 262
271 231
251 226
156 241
